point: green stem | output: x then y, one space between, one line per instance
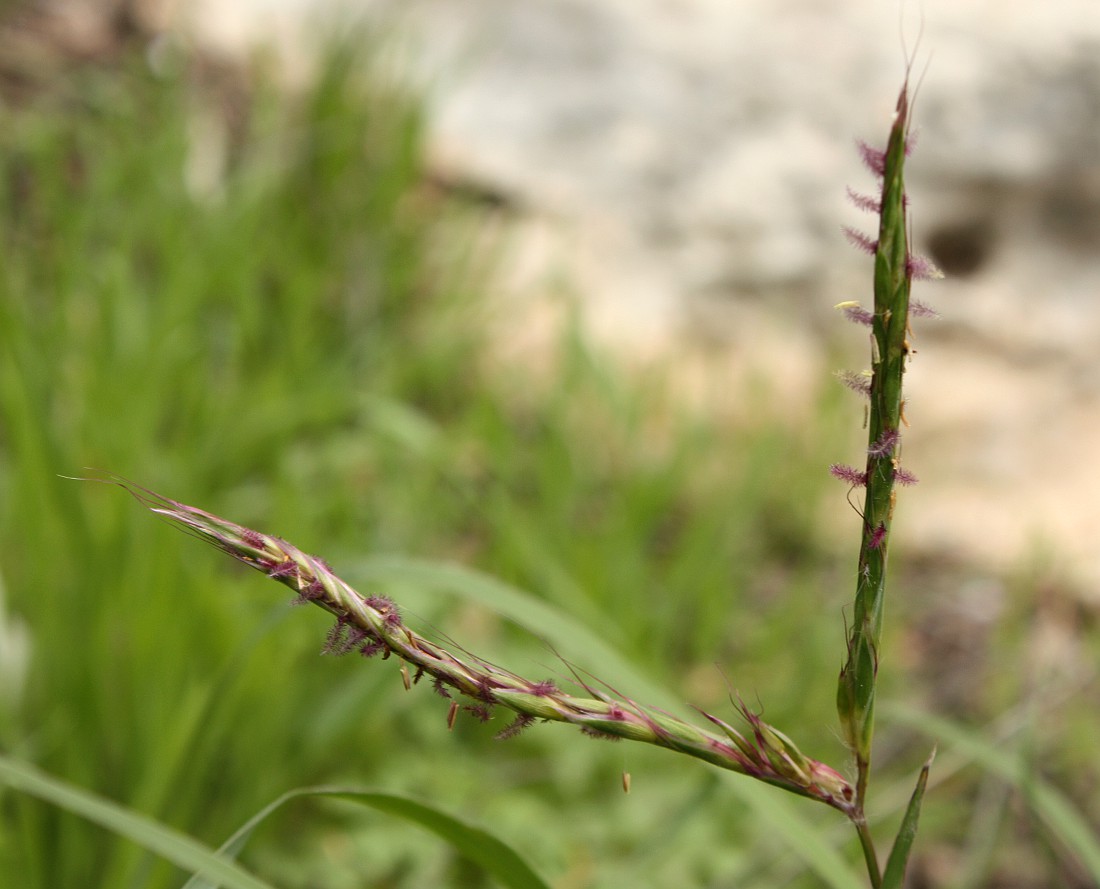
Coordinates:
863 775
868 846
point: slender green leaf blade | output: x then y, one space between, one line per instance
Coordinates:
493 855
180 849
1061 817
232 847
894 875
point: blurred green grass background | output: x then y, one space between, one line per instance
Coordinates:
295 339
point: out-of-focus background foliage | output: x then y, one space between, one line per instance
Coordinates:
295 335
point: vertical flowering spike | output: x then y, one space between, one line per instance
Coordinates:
895 267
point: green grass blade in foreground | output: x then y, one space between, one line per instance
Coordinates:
567 635
1059 815
894 875
493 855
180 849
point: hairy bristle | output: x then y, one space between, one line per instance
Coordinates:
864 201
856 381
848 474
859 315
884 444
336 637
597 734
922 268
904 476
481 712
311 592
867 244
522 721
372 647
873 159
286 568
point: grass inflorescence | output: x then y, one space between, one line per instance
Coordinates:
294 335
329 373
372 625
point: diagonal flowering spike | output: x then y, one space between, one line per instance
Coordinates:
372 625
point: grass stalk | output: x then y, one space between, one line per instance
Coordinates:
867 844
372 625
894 270
889 323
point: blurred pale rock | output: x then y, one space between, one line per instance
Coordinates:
679 166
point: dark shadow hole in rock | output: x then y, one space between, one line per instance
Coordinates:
1073 216
962 249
